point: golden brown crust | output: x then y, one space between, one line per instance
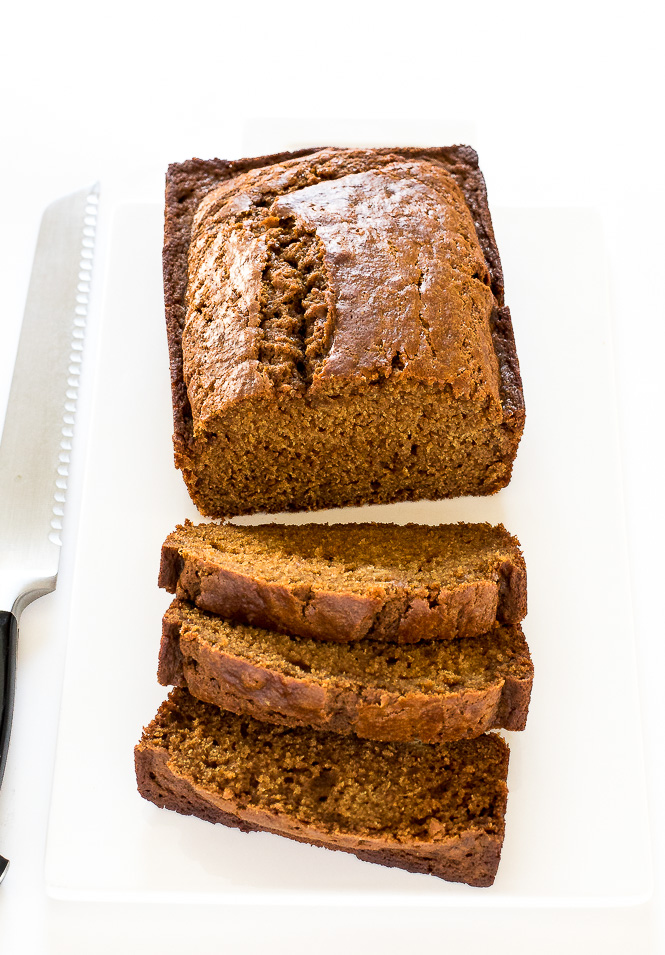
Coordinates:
187 183
346 267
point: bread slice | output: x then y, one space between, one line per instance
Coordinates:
337 330
345 582
431 691
434 809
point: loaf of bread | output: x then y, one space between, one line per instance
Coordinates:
344 582
433 692
433 809
337 330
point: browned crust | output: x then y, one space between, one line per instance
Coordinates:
512 393
246 688
468 610
512 600
472 857
169 665
186 185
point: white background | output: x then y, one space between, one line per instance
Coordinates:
564 105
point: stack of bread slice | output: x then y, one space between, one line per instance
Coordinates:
336 685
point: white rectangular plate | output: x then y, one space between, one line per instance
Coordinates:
576 832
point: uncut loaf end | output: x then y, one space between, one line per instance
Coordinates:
337 330
430 809
347 582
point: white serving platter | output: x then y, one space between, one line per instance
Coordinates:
577 831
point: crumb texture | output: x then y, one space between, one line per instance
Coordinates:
399 793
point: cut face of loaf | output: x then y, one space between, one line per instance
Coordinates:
346 582
337 331
432 809
433 692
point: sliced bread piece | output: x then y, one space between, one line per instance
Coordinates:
344 582
433 809
431 691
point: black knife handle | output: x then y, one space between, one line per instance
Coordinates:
8 641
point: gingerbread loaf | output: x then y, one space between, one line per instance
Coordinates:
437 809
337 330
431 691
346 582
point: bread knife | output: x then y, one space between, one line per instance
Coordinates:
39 425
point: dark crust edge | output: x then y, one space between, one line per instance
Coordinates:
513 604
512 391
245 688
170 661
188 182
236 593
472 858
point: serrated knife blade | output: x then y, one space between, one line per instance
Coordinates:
39 425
